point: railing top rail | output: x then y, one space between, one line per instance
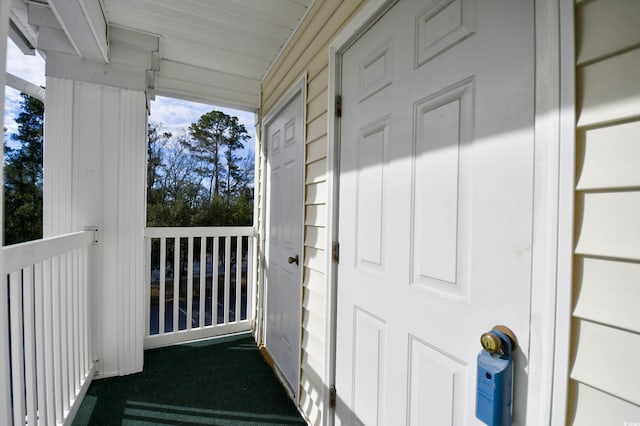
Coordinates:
21 255
202 231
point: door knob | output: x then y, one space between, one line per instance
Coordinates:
293 259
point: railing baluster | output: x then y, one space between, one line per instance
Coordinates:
17 345
83 323
189 319
203 280
176 283
227 277
214 281
250 271
57 337
75 319
41 375
49 345
70 343
161 302
64 329
238 277
147 272
29 344
5 384
86 320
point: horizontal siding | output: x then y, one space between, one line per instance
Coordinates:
315 236
316 193
605 372
609 292
610 224
311 398
318 84
317 105
596 408
612 27
611 89
325 19
308 53
317 149
610 157
619 370
316 215
317 171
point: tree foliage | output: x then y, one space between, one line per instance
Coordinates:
23 176
200 177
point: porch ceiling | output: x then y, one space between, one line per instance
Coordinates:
209 50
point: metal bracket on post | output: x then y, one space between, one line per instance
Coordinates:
93 229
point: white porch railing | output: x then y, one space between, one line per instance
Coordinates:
46 358
199 283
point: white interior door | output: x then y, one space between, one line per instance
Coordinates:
435 220
284 142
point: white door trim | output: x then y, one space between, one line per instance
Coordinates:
300 87
566 164
553 213
553 208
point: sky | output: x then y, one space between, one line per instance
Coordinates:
173 114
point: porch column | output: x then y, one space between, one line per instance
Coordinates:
94 175
5 387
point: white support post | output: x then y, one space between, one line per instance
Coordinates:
95 157
5 390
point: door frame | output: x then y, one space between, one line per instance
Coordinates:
299 88
554 145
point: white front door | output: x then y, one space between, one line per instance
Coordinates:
435 208
284 144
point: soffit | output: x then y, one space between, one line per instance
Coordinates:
210 50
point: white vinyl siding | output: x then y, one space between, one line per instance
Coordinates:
605 367
308 52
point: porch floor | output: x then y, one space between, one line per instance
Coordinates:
215 382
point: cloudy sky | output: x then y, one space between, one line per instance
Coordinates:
173 114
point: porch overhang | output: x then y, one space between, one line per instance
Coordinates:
212 52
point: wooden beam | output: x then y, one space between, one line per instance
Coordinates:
85 24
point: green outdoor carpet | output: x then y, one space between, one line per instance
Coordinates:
214 382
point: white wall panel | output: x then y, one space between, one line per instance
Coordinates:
95 170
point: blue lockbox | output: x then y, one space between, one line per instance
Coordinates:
493 393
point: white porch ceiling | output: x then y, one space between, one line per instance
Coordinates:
214 51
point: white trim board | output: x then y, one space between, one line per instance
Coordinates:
553 180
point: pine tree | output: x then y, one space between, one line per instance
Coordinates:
23 175
210 134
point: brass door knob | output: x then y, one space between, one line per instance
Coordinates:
293 259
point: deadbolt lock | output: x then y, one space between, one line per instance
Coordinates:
494 341
491 343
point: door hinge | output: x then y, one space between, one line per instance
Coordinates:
335 252
338 106
332 397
